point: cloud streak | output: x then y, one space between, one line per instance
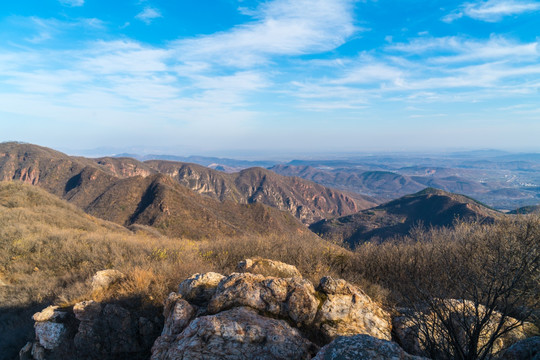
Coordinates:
492 10
280 28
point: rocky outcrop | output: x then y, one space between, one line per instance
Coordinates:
347 310
200 288
291 298
286 314
528 349
363 347
91 330
268 268
240 333
50 327
105 278
411 328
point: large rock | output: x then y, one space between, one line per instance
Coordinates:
178 314
92 330
292 298
347 310
239 333
528 349
411 328
200 288
268 267
49 327
105 278
363 347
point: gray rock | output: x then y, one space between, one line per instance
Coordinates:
268 267
363 347
200 288
293 298
239 333
346 310
528 349
105 278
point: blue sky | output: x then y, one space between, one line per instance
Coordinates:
230 76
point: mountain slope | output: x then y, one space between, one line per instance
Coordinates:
304 199
175 210
384 184
81 181
429 207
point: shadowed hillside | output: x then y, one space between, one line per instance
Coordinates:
429 207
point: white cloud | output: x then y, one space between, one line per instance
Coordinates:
492 10
456 49
148 15
281 27
72 2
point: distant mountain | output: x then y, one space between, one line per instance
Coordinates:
429 207
304 199
203 160
383 184
533 209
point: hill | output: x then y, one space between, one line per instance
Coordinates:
82 181
304 199
429 207
526 210
175 210
381 184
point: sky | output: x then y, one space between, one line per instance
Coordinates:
245 77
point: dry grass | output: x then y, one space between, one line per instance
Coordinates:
49 250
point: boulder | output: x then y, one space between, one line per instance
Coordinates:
528 349
411 328
49 334
363 347
92 330
178 314
292 298
239 333
49 327
200 288
347 310
268 267
105 278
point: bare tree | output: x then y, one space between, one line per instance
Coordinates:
471 288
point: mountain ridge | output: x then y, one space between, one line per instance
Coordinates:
429 207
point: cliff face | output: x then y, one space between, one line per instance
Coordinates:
304 199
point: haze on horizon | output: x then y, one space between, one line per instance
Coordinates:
240 76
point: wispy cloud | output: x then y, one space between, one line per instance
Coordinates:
149 14
72 3
455 49
281 27
492 10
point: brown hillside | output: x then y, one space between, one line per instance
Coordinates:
304 199
81 181
429 207
175 210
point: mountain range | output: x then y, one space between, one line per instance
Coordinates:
180 199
